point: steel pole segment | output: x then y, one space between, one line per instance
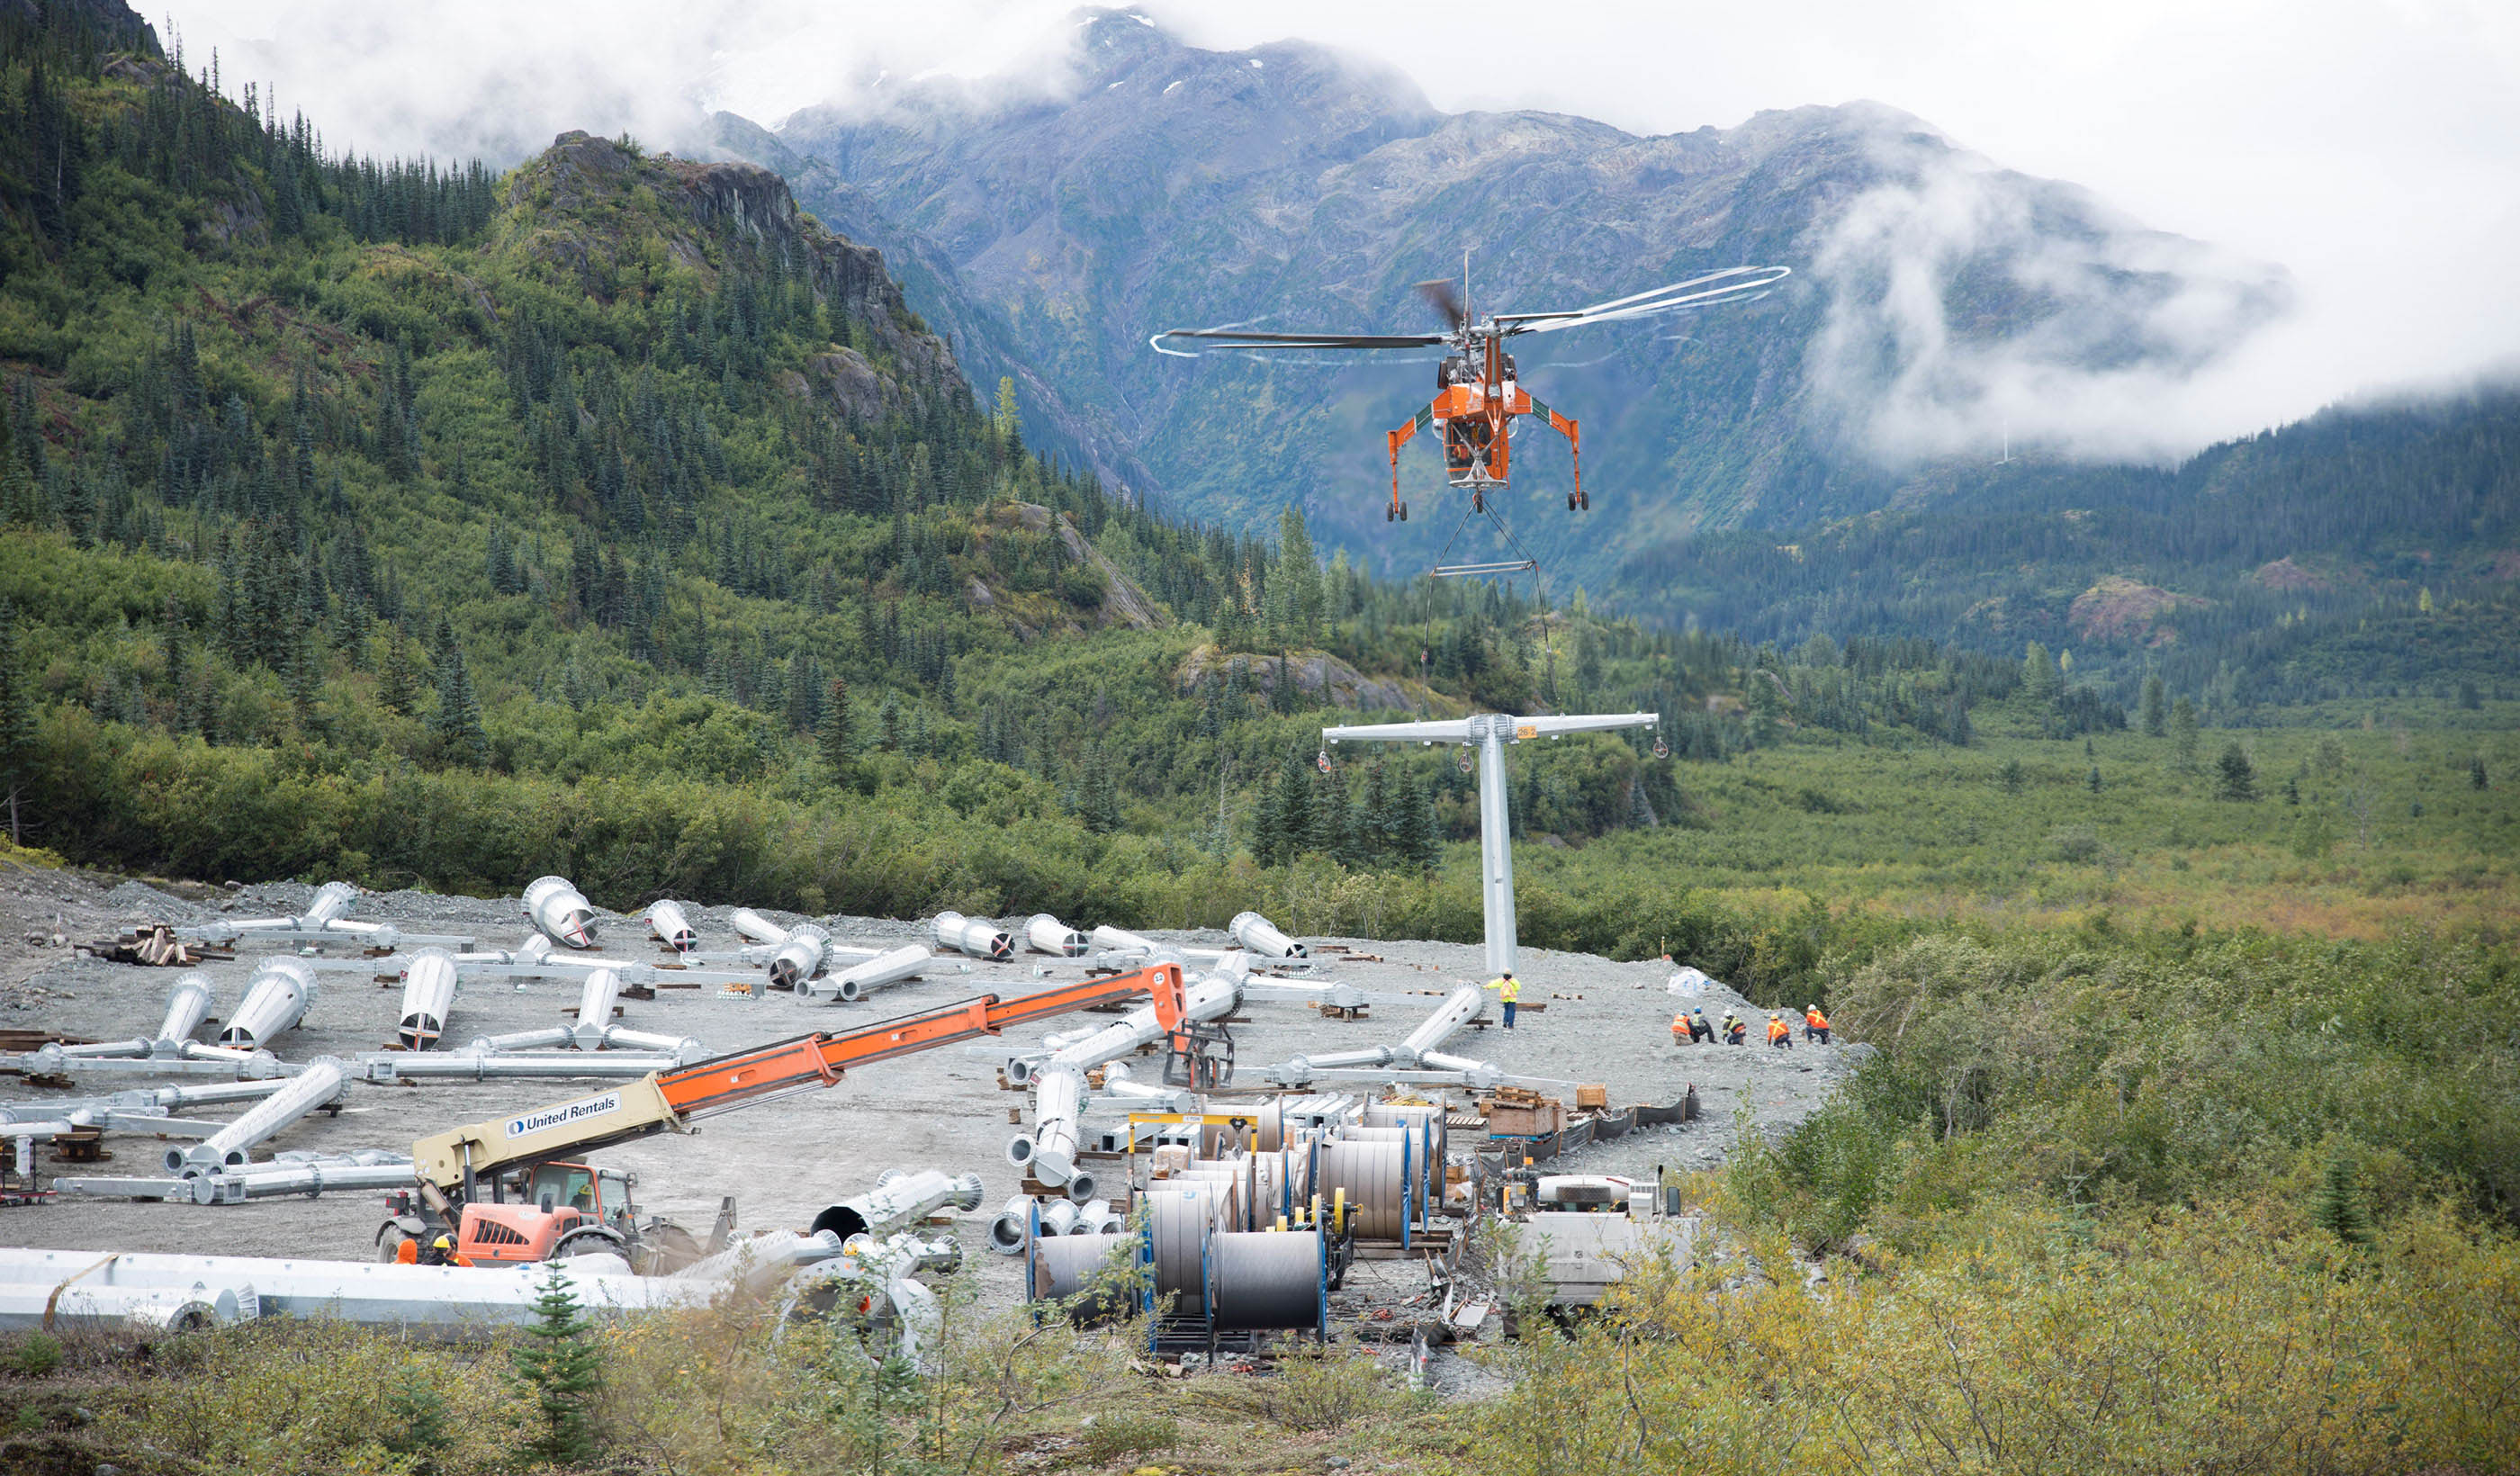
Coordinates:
1491 731
1496 855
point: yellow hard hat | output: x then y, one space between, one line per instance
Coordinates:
442 1242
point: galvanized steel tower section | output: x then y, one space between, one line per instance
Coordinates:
1491 732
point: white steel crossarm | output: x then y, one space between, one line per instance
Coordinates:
1492 731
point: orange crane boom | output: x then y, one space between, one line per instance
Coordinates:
665 1101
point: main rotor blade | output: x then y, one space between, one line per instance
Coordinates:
1440 296
1223 337
1733 285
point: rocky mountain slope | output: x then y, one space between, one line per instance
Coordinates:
1291 186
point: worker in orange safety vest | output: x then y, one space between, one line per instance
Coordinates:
1814 1024
1780 1034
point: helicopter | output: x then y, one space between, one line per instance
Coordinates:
1477 394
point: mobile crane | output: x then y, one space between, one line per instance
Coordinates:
564 1208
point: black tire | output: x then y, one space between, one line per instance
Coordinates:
1404 512
587 1242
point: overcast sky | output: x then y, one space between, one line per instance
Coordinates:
2372 146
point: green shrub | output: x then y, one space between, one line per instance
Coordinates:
33 1356
1112 1436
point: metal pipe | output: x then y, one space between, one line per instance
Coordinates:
753 927
1495 856
974 936
761 1261
1046 934
799 956
536 949
189 1002
1206 1000
1121 940
195 1097
137 1048
1459 1008
665 920
623 1038
855 982
596 997
900 1198
276 999
1059 1218
1261 936
437 1065
332 901
319 1086
235 1065
1012 1227
561 912
1048 1151
447 1299
536 1039
427 994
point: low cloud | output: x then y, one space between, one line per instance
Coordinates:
1966 304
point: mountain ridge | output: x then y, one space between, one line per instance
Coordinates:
1176 187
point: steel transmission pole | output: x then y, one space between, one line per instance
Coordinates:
1491 732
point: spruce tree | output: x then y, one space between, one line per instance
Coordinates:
2182 733
2336 1207
398 685
458 719
2239 778
2154 717
832 736
561 1370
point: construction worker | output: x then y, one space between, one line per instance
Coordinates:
1698 1029
1814 1024
1508 989
1736 1031
1681 1034
441 1251
1780 1034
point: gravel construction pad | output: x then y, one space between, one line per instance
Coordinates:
1604 1022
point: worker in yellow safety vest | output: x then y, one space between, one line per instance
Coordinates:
1814 1024
1508 989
